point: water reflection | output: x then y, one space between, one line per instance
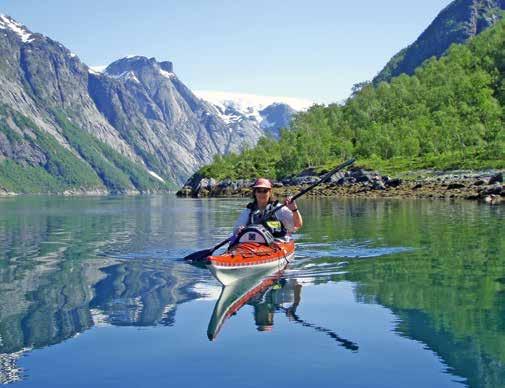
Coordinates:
268 292
142 294
68 265
10 372
290 292
237 294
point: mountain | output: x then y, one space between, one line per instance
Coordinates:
458 22
447 116
171 129
135 127
52 136
248 112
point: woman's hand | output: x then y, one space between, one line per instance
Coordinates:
290 204
297 217
238 230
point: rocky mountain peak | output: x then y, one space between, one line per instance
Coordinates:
275 117
8 23
139 65
167 66
456 23
267 113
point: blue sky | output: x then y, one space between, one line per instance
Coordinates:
307 49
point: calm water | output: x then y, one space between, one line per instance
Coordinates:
381 293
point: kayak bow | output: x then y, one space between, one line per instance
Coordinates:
247 258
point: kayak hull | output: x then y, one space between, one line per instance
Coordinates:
250 259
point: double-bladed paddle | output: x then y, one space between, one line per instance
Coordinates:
203 254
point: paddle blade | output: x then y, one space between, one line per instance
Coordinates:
199 256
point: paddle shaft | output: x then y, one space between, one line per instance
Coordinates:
220 244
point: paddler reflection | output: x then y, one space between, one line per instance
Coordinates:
282 296
268 294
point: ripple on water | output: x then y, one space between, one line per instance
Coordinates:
321 260
346 249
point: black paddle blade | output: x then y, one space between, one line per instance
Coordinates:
199 256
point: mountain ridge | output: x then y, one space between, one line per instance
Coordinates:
456 23
145 116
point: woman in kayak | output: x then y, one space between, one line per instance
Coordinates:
285 221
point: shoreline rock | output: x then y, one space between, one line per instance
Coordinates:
485 186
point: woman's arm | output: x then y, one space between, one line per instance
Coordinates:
297 216
242 221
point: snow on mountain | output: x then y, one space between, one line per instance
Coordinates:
167 74
124 76
7 23
245 100
268 113
156 176
97 69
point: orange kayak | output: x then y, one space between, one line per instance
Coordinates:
248 258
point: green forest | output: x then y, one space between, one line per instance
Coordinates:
98 166
448 115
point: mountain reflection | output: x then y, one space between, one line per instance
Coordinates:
10 372
139 294
72 298
69 265
57 278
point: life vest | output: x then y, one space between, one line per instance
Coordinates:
273 224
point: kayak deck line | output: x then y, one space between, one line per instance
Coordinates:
253 253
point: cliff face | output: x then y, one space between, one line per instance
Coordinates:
172 130
39 76
134 127
458 22
52 136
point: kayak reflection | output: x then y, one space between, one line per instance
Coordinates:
237 294
269 292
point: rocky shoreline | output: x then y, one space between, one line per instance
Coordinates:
486 186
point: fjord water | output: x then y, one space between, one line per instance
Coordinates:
394 293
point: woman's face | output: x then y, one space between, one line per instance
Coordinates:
262 195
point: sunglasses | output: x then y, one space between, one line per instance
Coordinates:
261 190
